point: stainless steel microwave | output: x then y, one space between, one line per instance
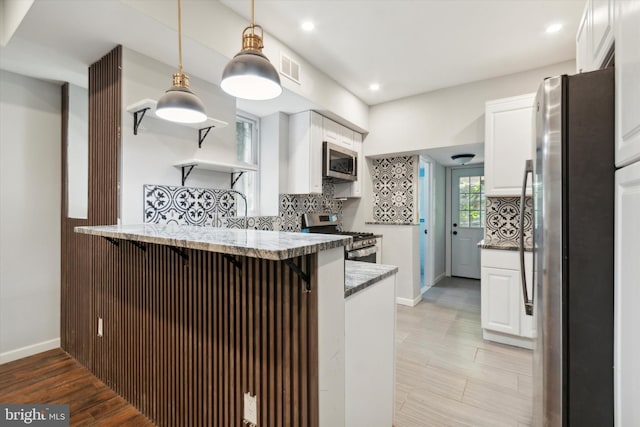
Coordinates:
339 163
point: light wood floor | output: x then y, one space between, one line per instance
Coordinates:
447 375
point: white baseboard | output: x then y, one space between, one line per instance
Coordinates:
439 278
409 302
29 350
507 339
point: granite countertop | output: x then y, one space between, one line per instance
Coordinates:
360 275
504 246
275 245
390 223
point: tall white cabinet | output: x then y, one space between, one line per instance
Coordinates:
627 208
594 39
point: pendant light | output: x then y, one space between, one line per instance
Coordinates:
179 104
462 159
250 75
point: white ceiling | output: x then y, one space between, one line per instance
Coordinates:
416 46
409 47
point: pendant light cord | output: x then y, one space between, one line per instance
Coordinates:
179 38
252 17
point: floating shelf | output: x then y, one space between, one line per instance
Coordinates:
147 107
235 169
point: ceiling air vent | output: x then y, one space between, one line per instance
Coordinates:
289 68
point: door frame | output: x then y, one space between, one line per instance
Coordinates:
430 225
448 210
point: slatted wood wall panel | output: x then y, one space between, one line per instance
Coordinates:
78 324
183 339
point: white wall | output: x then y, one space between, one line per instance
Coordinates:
147 158
274 140
29 216
446 117
78 153
12 12
401 247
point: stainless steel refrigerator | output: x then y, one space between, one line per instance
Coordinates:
573 199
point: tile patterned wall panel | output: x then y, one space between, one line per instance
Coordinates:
503 221
395 184
293 206
164 204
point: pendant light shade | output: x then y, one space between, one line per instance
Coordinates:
179 103
250 75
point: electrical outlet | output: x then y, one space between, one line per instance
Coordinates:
99 326
250 407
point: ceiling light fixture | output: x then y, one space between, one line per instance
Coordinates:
462 159
554 28
250 75
308 26
374 86
179 103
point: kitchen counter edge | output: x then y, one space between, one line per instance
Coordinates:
273 245
360 275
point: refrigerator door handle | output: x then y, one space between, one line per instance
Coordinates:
528 303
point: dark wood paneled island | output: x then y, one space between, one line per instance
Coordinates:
192 318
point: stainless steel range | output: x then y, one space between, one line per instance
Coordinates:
363 247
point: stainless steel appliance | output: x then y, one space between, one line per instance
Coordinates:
339 163
573 195
363 247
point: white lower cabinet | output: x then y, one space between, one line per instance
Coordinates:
370 355
502 305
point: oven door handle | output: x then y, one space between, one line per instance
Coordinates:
358 253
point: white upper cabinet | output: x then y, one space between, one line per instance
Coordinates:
594 39
627 82
509 140
305 153
331 131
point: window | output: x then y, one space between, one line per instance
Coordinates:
247 137
471 203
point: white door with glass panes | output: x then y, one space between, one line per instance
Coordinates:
467 221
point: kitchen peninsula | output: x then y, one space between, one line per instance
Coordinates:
195 322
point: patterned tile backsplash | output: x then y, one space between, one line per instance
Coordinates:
395 183
293 206
502 226
165 204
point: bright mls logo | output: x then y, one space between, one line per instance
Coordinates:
36 415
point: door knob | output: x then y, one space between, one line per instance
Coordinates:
454 233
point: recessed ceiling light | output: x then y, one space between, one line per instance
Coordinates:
374 86
554 28
308 26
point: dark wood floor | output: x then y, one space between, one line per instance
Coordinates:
54 377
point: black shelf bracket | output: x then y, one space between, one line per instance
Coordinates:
186 175
181 252
233 260
111 240
138 245
202 134
304 276
235 176
137 119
